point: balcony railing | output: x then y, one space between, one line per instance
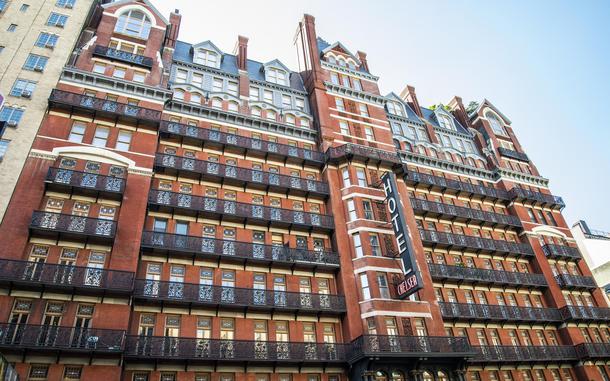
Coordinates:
409 346
488 312
513 154
485 276
474 243
464 214
204 247
538 198
89 182
255 147
517 353
70 225
561 251
65 339
88 279
228 297
593 350
441 183
368 154
243 176
584 313
238 211
216 350
119 55
103 106
575 281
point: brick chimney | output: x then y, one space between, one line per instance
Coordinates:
459 111
173 29
363 61
408 95
241 51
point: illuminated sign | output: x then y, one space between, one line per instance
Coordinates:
412 280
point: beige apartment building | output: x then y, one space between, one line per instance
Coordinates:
36 39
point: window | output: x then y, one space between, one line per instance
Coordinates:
275 75
65 3
99 68
206 57
364 111
123 141
24 7
286 101
133 23
232 88
217 85
345 81
356 84
55 19
256 111
496 125
197 79
361 176
233 106
217 102
181 76
77 132
368 134
254 94
179 94
357 245
11 28
101 137
384 289
334 78
375 247
268 96
290 119
304 122
3 148
23 88
38 372
35 62
139 76
339 104
118 72
344 127
300 104
272 115
366 291
445 122
351 210
72 372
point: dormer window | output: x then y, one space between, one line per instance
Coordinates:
275 75
133 23
445 122
395 108
496 125
206 57
332 60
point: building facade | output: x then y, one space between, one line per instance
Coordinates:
595 248
37 39
186 213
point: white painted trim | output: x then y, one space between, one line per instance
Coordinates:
350 195
548 230
367 229
360 116
377 268
395 313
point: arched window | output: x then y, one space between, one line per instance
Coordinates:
445 122
381 376
427 376
256 111
332 60
290 119
195 98
442 376
179 94
397 376
395 108
496 125
341 62
217 102
133 23
233 106
271 115
304 122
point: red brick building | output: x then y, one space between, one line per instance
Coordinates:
190 214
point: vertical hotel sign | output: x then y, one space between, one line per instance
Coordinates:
412 280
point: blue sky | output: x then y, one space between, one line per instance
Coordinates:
545 64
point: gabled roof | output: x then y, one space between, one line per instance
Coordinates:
339 46
148 3
207 44
491 106
277 63
430 116
410 113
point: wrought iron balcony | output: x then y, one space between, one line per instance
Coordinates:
241 176
523 353
561 251
513 154
239 212
478 244
575 281
102 107
193 350
119 55
433 182
409 346
60 339
84 182
367 154
244 252
242 144
538 198
584 313
460 213
69 226
484 276
39 276
237 298
593 351
488 312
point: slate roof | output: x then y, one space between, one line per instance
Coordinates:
430 116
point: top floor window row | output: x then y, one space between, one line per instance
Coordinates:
345 81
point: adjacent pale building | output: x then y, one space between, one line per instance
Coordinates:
595 248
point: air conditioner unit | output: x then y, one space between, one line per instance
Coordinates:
38 68
60 25
69 5
11 123
26 94
49 45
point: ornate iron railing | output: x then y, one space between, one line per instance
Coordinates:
244 143
474 243
227 209
523 353
66 98
485 276
469 214
367 153
470 311
513 154
415 178
242 175
53 338
518 193
205 350
85 180
67 223
585 313
593 350
556 251
205 294
65 276
119 55
205 246
575 281
409 346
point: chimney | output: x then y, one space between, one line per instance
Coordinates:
459 111
241 51
173 28
362 58
408 95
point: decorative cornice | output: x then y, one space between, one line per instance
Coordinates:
522 177
71 74
240 119
446 165
453 133
398 118
360 95
346 70
207 69
279 87
140 171
44 155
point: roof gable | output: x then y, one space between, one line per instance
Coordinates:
148 4
487 103
209 45
277 64
340 48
